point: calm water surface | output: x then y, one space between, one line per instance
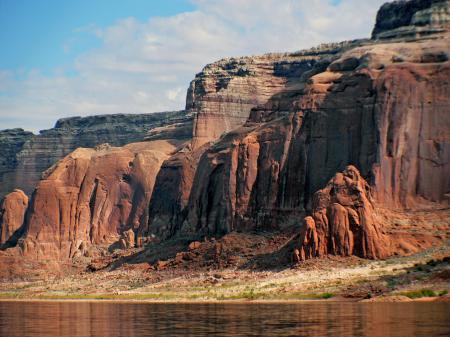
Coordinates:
143 319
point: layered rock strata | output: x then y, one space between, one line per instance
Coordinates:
25 156
411 19
224 92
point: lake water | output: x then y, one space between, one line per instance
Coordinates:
144 319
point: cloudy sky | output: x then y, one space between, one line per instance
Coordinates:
86 57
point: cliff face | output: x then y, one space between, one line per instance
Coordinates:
380 107
11 143
25 156
223 94
91 197
221 98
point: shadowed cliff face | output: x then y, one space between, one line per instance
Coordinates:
12 214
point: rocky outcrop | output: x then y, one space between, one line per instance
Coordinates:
127 239
92 196
412 19
25 156
12 214
221 97
380 107
223 94
343 221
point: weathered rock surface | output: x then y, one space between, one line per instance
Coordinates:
12 214
412 18
127 239
343 221
92 196
11 143
25 156
171 193
223 94
388 118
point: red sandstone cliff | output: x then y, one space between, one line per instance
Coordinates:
91 197
269 132
380 107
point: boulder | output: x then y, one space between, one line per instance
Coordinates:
12 214
127 239
343 221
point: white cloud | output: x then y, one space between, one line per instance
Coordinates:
147 66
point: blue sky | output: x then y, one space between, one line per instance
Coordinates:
65 58
48 33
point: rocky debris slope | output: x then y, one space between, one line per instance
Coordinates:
25 156
12 214
342 221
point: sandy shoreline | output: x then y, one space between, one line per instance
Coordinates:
290 301
422 277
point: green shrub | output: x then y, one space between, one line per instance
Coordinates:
420 293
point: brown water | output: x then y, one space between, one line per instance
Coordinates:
143 319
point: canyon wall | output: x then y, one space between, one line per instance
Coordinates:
25 156
366 119
221 98
224 92
383 108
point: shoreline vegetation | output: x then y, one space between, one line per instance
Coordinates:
420 277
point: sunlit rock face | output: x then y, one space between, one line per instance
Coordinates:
91 197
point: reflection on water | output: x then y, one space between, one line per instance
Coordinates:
143 319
